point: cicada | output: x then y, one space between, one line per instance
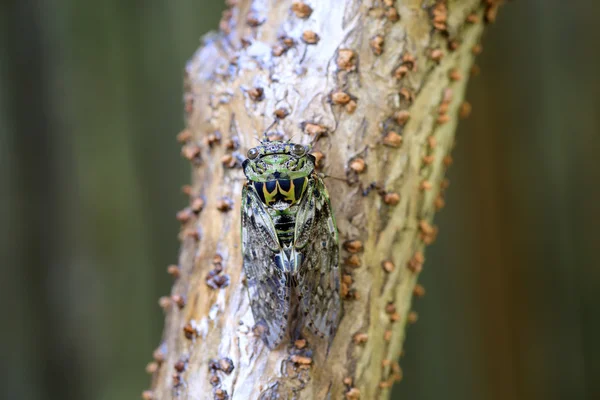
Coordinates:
289 244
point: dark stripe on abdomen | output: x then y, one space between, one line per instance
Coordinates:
285 225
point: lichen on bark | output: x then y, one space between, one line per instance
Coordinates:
376 87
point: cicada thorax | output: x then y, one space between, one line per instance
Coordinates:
288 191
281 197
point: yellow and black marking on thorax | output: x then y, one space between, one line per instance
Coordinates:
288 191
279 173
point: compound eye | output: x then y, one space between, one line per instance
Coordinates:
252 153
299 150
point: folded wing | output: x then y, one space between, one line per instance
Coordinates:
268 285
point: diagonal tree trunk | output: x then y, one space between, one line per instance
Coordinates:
377 88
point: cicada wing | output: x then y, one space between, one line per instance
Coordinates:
316 239
268 285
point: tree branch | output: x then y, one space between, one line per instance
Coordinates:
377 87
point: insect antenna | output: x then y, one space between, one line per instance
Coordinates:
314 140
324 175
265 137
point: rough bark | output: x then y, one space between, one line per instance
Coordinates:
377 88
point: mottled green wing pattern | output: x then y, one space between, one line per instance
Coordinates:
268 286
318 274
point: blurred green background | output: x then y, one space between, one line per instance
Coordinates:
90 173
